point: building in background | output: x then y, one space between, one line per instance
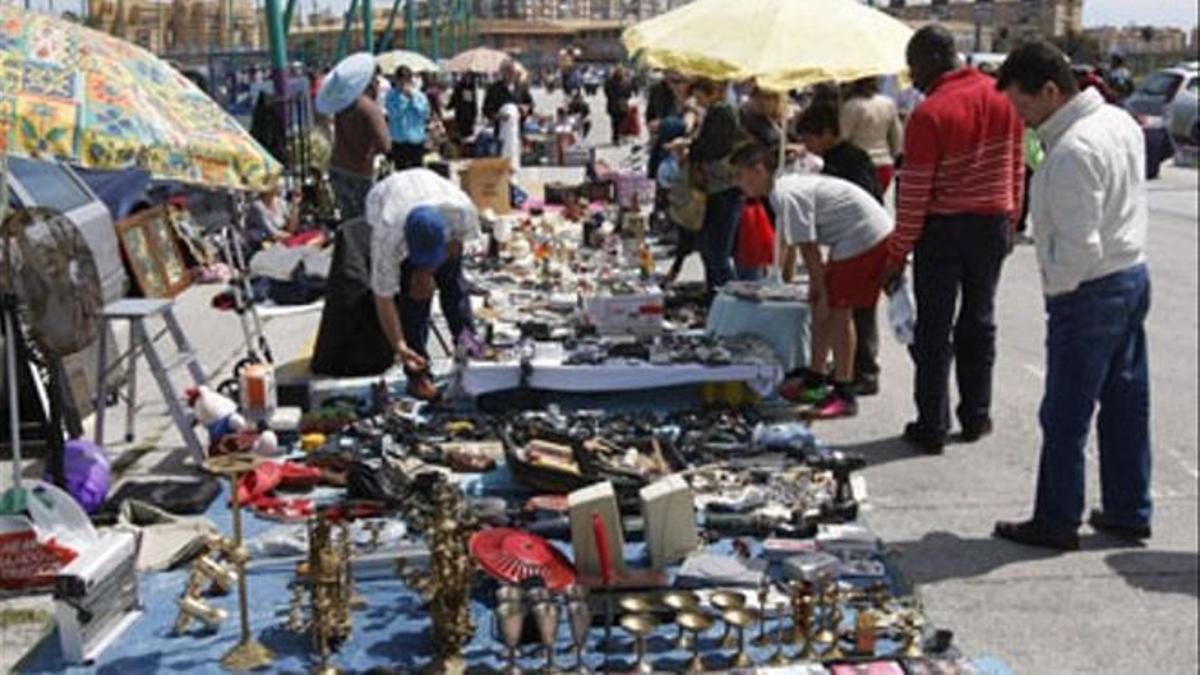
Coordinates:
1132 40
180 26
1010 21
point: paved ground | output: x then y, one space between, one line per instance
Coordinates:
1105 609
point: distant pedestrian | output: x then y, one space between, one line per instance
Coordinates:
871 121
465 104
618 89
360 130
408 118
1090 210
708 155
959 198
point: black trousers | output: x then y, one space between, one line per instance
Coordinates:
866 348
956 267
407 155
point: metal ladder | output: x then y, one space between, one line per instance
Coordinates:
136 312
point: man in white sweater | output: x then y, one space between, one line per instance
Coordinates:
1089 212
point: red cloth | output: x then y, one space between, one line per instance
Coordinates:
632 125
885 174
855 282
755 236
963 153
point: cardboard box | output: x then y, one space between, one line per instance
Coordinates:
486 182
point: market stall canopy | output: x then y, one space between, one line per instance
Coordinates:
782 44
481 60
418 63
74 94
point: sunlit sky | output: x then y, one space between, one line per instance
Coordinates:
1180 13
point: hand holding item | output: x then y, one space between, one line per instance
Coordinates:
410 359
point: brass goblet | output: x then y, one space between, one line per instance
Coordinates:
695 623
681 601
764 591
636 604
640 625
724 601
740 618
511 618
777 658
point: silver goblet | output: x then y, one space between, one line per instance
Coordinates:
545 613
511 618
579 613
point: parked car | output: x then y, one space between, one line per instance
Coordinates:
1180 117
1149 102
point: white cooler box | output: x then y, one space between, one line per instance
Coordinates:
639 313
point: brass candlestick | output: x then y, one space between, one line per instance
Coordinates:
248 654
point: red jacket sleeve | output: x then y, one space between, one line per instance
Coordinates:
921 154
1018 180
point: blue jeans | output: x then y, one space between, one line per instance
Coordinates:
454 298
1096 354
722 212
956 267
351 191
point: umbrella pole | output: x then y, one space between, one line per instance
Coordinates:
7 302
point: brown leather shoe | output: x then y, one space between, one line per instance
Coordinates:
422 387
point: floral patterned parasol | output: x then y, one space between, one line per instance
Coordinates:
77 95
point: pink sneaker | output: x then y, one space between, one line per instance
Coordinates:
835 406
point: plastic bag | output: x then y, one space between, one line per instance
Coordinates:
902 310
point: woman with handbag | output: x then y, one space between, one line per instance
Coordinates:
708 157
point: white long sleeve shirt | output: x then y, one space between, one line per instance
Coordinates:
1088 198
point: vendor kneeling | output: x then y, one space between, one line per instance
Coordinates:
417 224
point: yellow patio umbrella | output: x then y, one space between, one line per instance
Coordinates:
781 44
77 95
418 63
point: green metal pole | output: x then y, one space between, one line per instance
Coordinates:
368 27
385 42
278 40
435 37
287 15
410 26
344 39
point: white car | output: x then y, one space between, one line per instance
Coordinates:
1180 116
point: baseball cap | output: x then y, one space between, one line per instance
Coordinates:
425 236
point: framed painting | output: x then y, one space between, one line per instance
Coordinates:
148 242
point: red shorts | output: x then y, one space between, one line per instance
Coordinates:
856 282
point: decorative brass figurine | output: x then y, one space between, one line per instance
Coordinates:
248 654
329 580
442 516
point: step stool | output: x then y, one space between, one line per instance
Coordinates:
136 312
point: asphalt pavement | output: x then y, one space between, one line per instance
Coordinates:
1107 609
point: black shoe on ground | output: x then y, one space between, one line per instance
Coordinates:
1035 533
975 431
866 386
929 442
1101 522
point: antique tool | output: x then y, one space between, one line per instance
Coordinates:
724 601
681 601
865 626
777 657
695 622
764 589
579 616
249 653
640 625
545 614
511 617
96 596
911 629
741 618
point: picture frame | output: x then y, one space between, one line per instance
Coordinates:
148 244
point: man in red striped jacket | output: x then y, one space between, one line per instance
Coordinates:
960 193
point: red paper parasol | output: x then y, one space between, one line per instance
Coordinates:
514 555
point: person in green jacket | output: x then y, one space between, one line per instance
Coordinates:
1033 159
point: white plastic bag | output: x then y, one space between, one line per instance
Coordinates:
902 310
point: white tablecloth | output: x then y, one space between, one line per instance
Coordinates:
549 373
785 325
